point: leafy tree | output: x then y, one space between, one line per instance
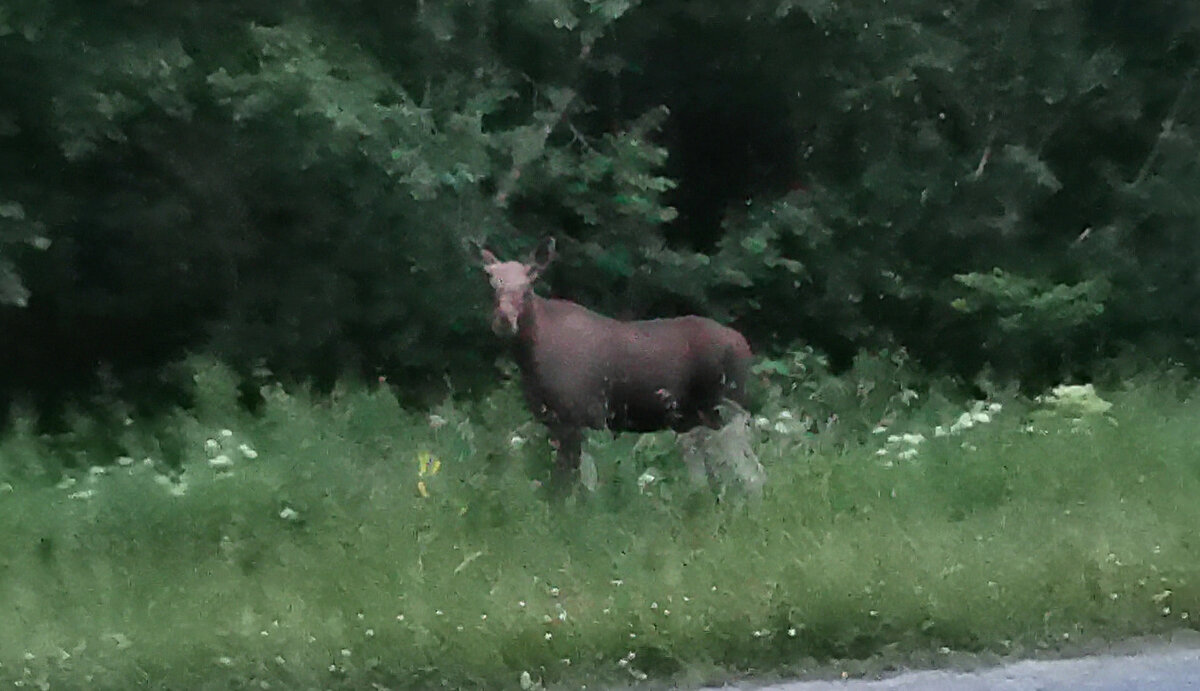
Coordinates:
293 186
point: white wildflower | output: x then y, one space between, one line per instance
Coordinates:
178 489
940 431
785 415
220 461
1074 390
289 514
762 422
907 454
881 452
964 421
780 427
645 479
227 433
82 494
879 429
981 418
893 438
995 407
248 451
517 441
913 439
436 421
124 461
1078 400
211 445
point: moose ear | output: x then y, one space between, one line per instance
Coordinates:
487 257
544 254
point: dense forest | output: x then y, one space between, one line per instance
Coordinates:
294 187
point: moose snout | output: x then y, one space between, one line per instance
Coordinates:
504 323
503 327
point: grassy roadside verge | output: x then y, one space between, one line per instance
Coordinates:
297 549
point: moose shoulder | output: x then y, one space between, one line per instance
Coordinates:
581 370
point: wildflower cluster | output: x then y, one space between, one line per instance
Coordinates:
981 413
904 447
95 474
1078 403
785 422
221 451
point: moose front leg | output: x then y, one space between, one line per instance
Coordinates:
568 444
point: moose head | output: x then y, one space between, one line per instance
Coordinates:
513 284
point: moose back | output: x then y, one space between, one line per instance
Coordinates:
581 370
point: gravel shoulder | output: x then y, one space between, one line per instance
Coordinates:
1161 663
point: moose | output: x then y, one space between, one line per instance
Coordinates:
582 370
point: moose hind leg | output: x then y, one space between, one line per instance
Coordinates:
692 447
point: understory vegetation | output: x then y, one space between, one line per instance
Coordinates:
344 541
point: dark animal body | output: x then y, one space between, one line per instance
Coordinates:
581 370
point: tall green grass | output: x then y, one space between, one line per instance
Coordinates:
348 542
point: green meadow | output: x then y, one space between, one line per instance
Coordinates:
346 542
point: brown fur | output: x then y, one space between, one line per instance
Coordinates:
582 370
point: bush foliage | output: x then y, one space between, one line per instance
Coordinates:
291 185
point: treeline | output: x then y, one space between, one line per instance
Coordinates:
292 186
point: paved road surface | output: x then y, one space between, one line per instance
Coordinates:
1144 666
